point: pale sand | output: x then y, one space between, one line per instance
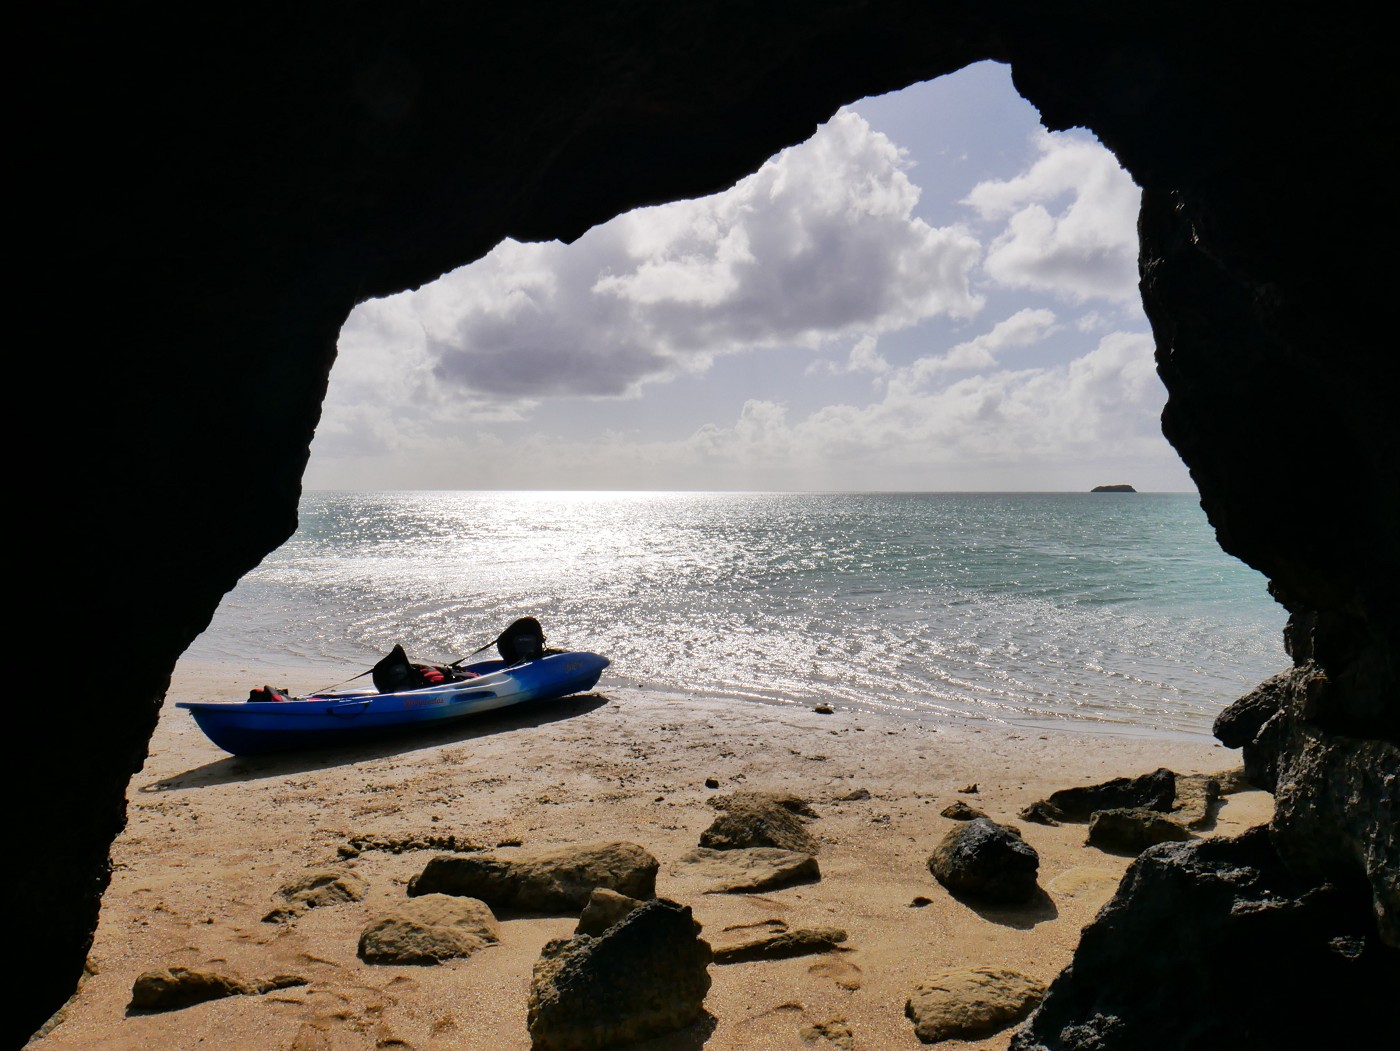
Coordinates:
211 837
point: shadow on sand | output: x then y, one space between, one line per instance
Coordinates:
232 769
1039 909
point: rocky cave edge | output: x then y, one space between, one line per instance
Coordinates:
208 192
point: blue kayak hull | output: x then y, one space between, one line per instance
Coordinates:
258 727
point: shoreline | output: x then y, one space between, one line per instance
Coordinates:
210 837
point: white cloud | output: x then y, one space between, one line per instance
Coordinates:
1021 329
1070 223
818 245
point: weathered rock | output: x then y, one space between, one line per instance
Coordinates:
645 976
986 861
960 811
1240 723
605 907
1156 791
1259 942
1040 813
830 1033
760 819
552 881
804 941
359 844
1197 801
856 795
970 1003
429 929
751 869
318 888
1132 829
175 987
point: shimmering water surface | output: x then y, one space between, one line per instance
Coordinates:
1119 610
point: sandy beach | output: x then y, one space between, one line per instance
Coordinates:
211 837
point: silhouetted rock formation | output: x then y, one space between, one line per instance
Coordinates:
1121 488
205 213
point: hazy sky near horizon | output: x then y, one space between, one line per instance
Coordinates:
931 293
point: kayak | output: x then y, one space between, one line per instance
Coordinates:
256 727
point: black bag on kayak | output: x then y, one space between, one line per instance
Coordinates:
522 641
396 673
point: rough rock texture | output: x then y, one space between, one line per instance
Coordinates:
986 861
779 945
1216 944
551 881
1156 791
1336 800
308 168
971 1002
605 907
757 820
750 869
832 1033
960 811
176 987
1197 800
645 976
1132 830
316 889
429 929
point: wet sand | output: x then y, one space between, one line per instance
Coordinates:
211 837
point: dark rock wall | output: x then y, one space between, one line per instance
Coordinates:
205 192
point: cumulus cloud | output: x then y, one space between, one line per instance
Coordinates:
1070 223
819 245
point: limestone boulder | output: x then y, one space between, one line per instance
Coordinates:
428 930
172 988
779 945
970 1003
552 881
748 870
605 907
760 819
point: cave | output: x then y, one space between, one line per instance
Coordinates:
213 190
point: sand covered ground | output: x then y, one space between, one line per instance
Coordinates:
211 837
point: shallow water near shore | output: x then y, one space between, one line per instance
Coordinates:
1113 612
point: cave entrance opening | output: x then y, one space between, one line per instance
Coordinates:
932 293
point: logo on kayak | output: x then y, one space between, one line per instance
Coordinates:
431 701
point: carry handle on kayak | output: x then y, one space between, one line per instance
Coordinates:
349 709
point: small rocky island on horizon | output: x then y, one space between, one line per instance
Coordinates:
1122 487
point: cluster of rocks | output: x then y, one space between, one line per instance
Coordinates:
759 841
1129 814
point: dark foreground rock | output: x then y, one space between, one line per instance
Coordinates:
1131 830
779 945
645 976
745 871
176 987
760 819
971 1002
1214 944
985 861
553 881
429 929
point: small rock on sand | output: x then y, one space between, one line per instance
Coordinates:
970 1003
429 929
175 987
751 869
558 880
804 941
832 1033
984 860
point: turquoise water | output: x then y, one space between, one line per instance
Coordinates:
1116 610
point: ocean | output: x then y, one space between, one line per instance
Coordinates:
1111 612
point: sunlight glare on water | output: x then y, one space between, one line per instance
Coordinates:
1066 606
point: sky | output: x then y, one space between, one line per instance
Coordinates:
932 293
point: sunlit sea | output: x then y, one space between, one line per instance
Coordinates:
1118 611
